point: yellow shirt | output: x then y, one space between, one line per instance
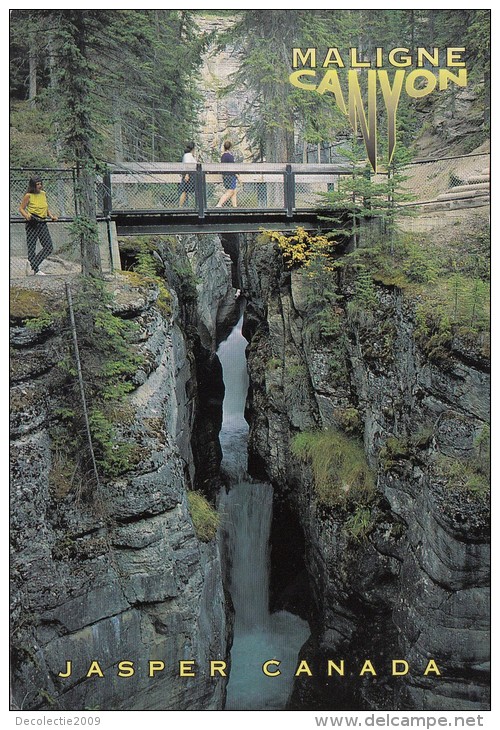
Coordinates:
38 204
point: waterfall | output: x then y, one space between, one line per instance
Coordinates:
234 433
246 511
249 507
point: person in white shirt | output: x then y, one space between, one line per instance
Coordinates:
187 182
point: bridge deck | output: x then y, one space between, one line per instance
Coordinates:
214 221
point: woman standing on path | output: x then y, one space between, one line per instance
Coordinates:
228 180
35 209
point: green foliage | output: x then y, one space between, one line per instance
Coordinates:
328 324
35 309
82 226
162 260
138 71
404 448
482 445
295 379
360 523
30 137
112 361
274 363
26 304
340 470
186 282
401 262
472 475
360 195
118 84
457 307
263 39
204 516
406 265
148 267
394 451
113 456
419 267
66 471
349 420
109 361
365 296
448 284
44 321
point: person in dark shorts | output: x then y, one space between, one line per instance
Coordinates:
229 181
187 182
35 209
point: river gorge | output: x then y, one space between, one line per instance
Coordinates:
227 384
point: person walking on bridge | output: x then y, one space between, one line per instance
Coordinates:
35 209
187 182
229 181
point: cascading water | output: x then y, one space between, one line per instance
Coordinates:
246 510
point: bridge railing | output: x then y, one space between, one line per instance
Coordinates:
159 187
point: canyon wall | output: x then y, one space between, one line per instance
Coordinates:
117 572
414 584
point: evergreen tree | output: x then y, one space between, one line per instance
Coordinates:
74 85
118 85
141 76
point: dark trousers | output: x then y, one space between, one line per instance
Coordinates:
38 231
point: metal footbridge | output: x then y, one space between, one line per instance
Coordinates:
145 198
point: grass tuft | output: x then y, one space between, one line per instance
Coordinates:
204 516
341 472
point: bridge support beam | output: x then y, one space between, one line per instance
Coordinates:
289 191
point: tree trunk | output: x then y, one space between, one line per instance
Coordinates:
89 237
75 90
118 136
487 97
32 77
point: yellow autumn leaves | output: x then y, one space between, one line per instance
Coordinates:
301 248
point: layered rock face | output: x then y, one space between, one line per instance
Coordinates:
416 587
119 576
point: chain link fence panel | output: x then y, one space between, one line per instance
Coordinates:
58 184
65 257
449 180
309 189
